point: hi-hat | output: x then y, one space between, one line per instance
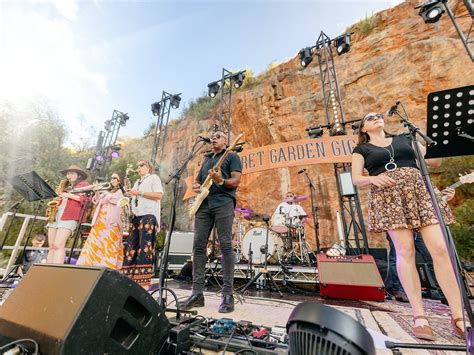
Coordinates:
296 198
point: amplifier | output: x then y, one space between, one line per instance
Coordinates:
352 277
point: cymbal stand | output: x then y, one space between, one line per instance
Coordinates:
304 253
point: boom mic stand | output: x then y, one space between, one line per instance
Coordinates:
314 210
176 176
414 130
267 275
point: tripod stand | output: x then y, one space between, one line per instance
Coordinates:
265 272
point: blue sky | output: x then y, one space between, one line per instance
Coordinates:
91 57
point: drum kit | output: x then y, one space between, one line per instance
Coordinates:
286 237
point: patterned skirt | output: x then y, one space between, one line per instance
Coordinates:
103 246
139 257
406 205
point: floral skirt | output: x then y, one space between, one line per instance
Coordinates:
405 206
139 258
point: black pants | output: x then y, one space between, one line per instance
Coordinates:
222 217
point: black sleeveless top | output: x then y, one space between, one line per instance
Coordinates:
376 157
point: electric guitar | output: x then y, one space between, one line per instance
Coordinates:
206 186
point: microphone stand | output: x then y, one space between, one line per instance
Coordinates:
314 210
172 219
77 231
414 130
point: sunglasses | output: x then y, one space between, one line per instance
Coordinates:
217 136
140 165
372 118
114 178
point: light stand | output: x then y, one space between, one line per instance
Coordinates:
444 230
267 275
161 109
176 176
314 210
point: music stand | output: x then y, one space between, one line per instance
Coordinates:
33 188
450 122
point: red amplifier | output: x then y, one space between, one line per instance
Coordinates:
352 277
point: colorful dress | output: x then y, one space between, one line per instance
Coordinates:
103 246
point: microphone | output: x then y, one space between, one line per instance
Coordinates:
393 109
301 171
238 149
205 139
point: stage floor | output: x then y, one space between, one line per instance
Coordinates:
389 320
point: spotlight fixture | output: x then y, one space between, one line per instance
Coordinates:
99 157
315 132
306 56
343 43
238 79
213 88
123 119
115 149
355 127
431 10
156 108
314 328
174 101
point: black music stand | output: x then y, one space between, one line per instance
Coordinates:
33 188
450 122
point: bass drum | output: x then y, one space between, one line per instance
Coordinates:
254 240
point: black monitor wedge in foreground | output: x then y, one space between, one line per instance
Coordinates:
450 122
314 328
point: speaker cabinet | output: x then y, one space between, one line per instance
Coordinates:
350 277
83 310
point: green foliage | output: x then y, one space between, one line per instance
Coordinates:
365 26
201 108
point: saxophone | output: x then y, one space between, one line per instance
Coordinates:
52 208
124 203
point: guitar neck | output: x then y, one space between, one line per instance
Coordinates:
456 185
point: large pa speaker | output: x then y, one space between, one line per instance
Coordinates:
350 277
83 310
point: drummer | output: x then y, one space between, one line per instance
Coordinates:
290 208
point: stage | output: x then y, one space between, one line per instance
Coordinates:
389 320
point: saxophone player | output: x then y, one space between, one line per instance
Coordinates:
139 253
64 218
103 246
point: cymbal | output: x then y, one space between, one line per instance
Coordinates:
243 210
296 198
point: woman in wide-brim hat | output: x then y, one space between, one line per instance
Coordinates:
68 213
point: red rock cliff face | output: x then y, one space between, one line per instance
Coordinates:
401 59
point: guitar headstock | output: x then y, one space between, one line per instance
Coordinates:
467 178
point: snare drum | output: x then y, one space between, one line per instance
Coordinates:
279 222
254 240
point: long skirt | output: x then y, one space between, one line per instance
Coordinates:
140 250
406 205
103 246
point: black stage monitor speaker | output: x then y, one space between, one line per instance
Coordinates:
83 310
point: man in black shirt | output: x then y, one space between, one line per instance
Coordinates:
34 256
216 210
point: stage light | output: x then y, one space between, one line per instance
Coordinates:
238 79
115 149
99 157
114 154
174 101
343 44
314 328
213 88
156 108
305 56
123 119
355 127
315 132
431 10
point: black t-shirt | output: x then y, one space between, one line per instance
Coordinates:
220 195
376 157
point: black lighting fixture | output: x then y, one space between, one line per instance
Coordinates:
314 328
306 56
174 101
156 108
123 119
238 79
431 10
315 132
115 151
213 88
343 43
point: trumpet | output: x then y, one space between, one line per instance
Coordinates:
103 186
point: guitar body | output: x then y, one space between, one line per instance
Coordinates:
206 186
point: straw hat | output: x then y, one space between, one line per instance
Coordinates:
76 169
